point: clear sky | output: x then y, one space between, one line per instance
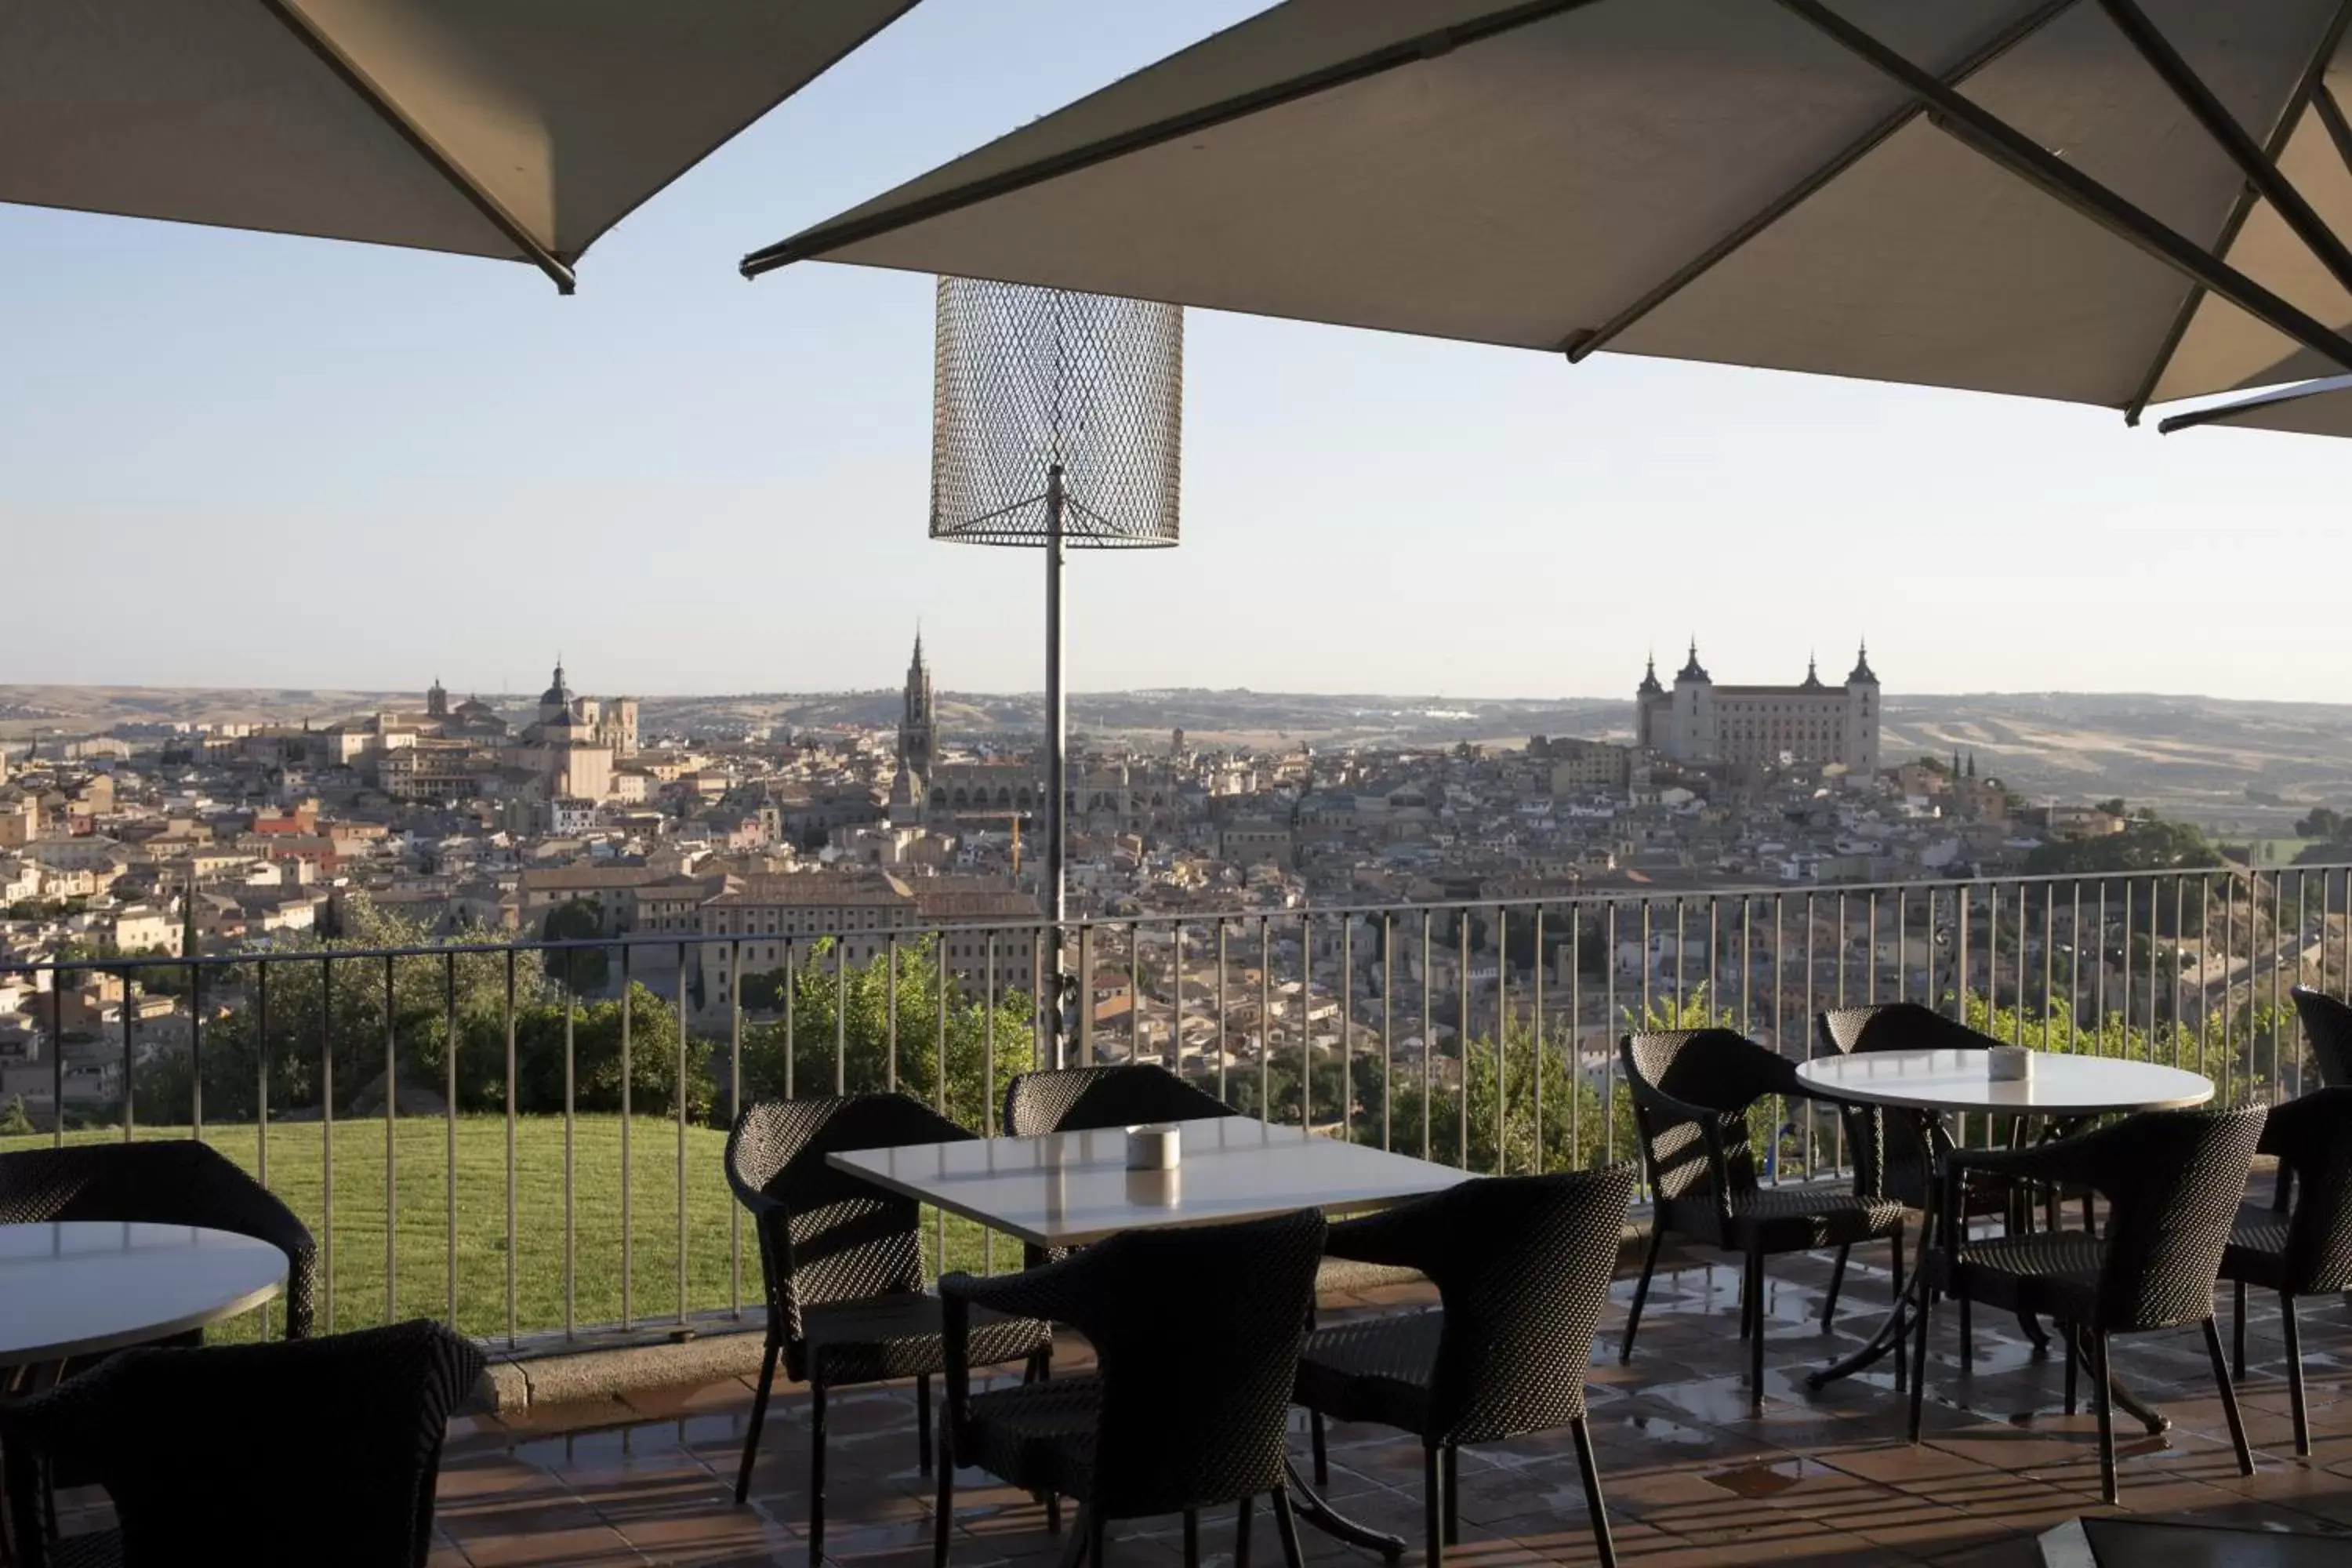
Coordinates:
231 459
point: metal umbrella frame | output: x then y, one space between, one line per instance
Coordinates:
2115 202
521 130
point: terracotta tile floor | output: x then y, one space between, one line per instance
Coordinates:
1690 1476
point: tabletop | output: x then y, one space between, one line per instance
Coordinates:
1958 1080
1066 1189
77 1286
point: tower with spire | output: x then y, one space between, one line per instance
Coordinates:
917 721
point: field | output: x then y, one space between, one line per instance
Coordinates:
354 1288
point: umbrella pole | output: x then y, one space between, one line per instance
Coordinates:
1059 1023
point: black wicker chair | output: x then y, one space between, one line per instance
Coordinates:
2173 1181
1522 1265
2302 1244
1196 1334
319 1450
2327 1025
842 1264
166 1182
1083 1099
1692 1089
1889 1160
1072 1099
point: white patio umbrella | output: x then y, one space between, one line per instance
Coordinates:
2315 408
2077 199
517 129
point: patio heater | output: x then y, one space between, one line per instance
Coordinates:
1057 423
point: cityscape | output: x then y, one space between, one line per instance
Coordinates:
915 784
453 819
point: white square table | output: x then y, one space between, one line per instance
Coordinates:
1067 1189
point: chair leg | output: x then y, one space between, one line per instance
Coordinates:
1096 1533
1968 1338
2228 1400
943 1514
923 1423
1242 1531
817 1474
1894 1263
1919 1360
2295 1375
2237 1331
1054 1515
1590 1472
1756 1344
1433 1507
1073 1550
1641 1289
1286 1525
759 1418
1452 1495
2103 1393
2073 1357
1837 1283
1191 1538
1322 1452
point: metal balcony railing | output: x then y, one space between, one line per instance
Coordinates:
525 1137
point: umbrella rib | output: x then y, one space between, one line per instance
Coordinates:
1996 140
1376 62
1579 345
2258 163
435 156
2311 90
2331 115
2221 412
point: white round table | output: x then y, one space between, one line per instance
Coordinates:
78 1287
1934 1085
1956 1083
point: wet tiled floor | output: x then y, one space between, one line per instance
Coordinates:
1691 1478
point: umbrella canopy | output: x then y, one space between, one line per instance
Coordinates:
2316 408
519 129
2077 199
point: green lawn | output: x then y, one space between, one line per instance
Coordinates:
354 1293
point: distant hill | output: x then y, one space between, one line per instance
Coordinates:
2233 765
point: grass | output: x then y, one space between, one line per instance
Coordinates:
427 1272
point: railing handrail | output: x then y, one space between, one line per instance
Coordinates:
1076 923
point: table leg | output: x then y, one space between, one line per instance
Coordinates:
1313 1510
1913 1297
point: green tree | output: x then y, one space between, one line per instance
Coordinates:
838 1032
308 1016
2324 823
14 1122
577 969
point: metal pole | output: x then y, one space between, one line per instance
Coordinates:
1057 781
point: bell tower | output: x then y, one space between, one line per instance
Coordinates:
917 734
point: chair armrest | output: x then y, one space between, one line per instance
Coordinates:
1045 1291
2069 1160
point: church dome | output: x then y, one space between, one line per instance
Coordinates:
557 695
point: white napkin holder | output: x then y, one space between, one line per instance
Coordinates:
1154 1146
2008 1064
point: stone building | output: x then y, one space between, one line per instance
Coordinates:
1812 722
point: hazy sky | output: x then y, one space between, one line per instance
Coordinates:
232 459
